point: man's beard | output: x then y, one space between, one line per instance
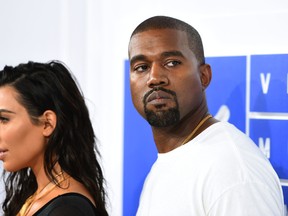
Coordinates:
163 118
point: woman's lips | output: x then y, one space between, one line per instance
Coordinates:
2 153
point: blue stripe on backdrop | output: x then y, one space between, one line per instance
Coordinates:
269 98
228 100
139 152
228 87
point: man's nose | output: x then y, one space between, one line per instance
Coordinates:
158 76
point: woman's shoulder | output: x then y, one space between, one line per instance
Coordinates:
72 204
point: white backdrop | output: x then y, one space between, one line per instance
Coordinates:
91 37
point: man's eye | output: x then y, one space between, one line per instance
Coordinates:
141 68
173 63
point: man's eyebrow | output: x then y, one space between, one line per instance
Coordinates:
137 58
164 54
172 53
6 111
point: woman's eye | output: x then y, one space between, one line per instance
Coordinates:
173 63
3 119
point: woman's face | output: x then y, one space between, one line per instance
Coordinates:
22 143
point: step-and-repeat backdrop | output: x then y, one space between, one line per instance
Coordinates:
249 91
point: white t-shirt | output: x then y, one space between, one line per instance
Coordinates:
221 172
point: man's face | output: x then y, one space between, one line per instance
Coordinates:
165 81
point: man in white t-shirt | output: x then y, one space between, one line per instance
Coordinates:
204 167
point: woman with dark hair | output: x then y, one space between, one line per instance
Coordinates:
47 144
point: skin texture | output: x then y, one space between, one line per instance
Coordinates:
24 142
162 58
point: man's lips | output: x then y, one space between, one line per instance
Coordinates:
158 95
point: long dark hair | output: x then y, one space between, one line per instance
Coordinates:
50 86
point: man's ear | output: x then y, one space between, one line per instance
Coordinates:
206 75
50 121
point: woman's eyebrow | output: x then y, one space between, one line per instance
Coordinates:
6 111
